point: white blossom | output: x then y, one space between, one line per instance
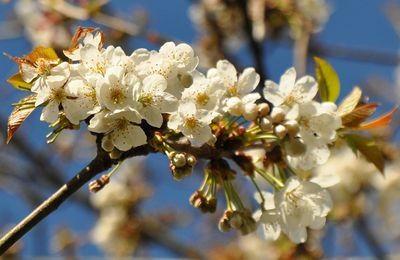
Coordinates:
289 93
193 123
238 90
115 91
152 100
294 208
204 92
119 129
182 55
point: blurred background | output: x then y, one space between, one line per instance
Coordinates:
143 212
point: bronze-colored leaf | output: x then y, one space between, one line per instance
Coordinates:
368 148
381 121
350 102
20 113
359 114
80 33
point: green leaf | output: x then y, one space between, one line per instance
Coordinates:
367 147
17 81
328 80
20 113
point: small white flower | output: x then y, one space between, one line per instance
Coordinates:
85 101
152 100
182 55
302 204
290 92
119 130
55 94
297 206
96 62
238 91
89 39
311 157
204 92
116 89
318 123
41 69
193 123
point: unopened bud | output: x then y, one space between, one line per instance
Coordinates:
277 115
190 160
96 185
236 220
280 131
295 147
263 109
235 107
212 204
292 127
179 160
250 112
223 225
115 154
265 124
185 79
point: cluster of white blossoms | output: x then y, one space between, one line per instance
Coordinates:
121 91
147 96
315 123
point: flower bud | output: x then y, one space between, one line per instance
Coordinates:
190 160
292 127
96 185
115 154
212 204
223 225
295 147
280 131
235 106
236 220
179 160
250 112
277 115
265 124
185 79
263 109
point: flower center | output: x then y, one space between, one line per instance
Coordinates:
146 99
116 96
202 99
57 95
191 122
290 100
43 66
292 197
233 91
121 124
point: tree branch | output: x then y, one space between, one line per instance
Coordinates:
374 245
100 163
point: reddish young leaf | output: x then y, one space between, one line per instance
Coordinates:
80 33
20 113
381 121
350 102
359 114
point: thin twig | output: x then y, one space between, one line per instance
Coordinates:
255 47
300 52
